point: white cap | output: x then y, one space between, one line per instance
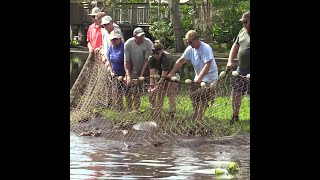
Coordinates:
106 20
114 35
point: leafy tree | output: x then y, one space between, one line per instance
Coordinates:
163 31
226 23
188 16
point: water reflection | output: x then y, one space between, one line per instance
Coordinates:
98 158
77 61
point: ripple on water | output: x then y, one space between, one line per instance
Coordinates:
98 158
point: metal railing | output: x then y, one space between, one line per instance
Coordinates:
133 15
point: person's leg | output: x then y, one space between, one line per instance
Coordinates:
172 105
119 96
109 98
152 99
128 96
195 106
236 103
136 102
113 93
128 102
194 100
202 109
172 95
120 102
121 90
239 87
136 97
159 104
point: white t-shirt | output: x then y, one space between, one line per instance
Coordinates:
198 58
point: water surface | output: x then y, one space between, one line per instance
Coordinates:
99 158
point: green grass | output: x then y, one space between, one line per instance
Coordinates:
216 121
74 59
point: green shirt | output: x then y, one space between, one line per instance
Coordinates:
243 40
165 63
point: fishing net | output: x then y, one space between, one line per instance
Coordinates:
103 105
178 112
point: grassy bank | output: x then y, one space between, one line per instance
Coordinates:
216 120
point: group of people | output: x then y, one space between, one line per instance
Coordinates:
140 57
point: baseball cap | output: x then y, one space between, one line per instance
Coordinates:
106 20
138 31
245 16
114 35
156 47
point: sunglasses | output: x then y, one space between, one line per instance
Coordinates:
103 26
114 39
190 42
156 53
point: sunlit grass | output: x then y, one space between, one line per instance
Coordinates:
216 121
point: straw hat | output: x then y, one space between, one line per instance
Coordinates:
95 11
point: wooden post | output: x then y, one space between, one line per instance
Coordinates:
133 15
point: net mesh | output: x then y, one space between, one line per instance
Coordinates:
102 105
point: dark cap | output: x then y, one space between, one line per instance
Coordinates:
245 16
157 47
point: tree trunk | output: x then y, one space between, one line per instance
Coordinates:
194 4
177 25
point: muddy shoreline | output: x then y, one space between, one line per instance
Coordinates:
100 127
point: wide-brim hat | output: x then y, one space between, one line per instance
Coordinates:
95 11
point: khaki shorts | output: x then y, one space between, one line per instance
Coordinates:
240 84
198 93
169 88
